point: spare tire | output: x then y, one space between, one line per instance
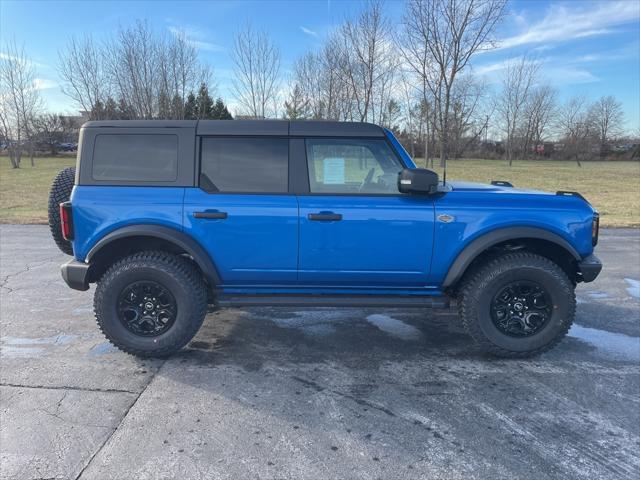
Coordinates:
60 192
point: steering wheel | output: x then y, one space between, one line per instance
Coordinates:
367 179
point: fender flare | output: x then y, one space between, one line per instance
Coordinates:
178 238
482 243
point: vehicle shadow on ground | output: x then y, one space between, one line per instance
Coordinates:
354 338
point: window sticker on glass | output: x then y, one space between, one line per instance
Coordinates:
333 171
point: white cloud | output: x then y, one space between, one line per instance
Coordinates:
552 70
43 83
6 56
308 31
196 37
562 23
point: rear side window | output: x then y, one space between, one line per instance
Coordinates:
139 158
244 165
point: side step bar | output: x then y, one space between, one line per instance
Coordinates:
331 301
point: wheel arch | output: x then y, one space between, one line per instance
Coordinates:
538 240
135 238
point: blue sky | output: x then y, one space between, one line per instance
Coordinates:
586 47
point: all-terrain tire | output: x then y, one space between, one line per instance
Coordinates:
60 192
481 285
175 274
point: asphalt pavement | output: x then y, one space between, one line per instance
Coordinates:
313 394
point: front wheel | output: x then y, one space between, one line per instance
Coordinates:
517 305
150 304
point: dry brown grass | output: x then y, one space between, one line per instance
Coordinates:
612 187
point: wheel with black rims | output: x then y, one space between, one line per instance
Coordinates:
517 305
151 304
147 308
521 308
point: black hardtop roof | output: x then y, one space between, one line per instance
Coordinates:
296 128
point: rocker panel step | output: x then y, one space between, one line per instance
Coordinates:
226 300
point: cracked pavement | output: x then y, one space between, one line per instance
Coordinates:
313 394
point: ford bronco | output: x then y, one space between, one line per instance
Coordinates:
171 218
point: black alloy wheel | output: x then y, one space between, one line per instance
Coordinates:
521 308
147 308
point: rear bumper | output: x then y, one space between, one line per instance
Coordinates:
76 274
589 268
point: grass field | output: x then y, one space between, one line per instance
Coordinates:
612 187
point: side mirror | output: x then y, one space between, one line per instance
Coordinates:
418 180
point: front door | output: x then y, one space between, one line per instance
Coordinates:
242 214
356 229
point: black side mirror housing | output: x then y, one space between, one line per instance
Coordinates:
418 180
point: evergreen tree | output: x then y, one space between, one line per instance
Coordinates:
296 106
97 111
177 107
110 109
190 108
125 112
164 106
204 103
220 111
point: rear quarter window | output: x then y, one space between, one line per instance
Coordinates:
135 157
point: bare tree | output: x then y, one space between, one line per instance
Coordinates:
20 101
608 117
468 114
443 36
539 112
576 128
517 83
256 74
52 129
368 61
149 74
81 67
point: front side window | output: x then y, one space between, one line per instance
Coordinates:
136 158
245 165
352 166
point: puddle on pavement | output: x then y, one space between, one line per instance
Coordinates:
612 345
54 340
22 347
598 295
634 287
103 349
394 327
314 322
20 352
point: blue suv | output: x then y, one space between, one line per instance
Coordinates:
170 218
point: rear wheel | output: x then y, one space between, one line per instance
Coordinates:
60 192
517 305
150 304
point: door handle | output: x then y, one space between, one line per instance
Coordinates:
211 215
325 217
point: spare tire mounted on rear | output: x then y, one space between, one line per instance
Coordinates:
60 192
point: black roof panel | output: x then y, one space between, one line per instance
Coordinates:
243 127
141 123
323 128
296 128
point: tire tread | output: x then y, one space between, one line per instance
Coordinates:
474 282
172 264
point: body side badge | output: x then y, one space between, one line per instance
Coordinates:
446 218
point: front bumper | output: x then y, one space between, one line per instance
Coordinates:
76 274
589 268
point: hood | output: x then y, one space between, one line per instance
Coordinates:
488 188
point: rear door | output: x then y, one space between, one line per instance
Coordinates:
356 229
242 212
